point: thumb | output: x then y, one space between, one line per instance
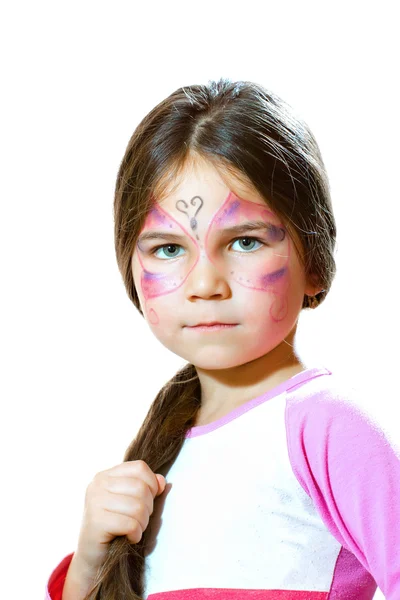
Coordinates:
161 483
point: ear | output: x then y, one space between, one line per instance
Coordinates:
312 287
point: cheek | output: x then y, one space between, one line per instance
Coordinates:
165 318
271 297
154 285
160 308
137 281
278 303
263 308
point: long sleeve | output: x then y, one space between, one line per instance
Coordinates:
56 582
347 465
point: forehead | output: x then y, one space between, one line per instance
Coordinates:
211 182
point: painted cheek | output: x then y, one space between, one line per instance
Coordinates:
163 276
263 270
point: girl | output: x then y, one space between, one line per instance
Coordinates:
279 486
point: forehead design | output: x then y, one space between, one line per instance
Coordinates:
264 269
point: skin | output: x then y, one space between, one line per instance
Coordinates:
208 274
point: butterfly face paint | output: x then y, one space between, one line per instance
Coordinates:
263 267
162 276
207 254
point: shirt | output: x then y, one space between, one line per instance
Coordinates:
295 494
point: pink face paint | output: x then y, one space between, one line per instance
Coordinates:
162 276
263 270
251 267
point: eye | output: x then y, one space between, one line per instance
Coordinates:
248 243
169 247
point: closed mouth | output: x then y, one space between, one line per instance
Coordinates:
214 324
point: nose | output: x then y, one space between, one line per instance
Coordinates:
205 281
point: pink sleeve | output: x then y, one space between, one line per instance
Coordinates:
347 466
56 582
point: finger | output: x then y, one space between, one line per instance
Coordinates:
135 468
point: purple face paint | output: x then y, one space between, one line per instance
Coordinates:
270 255
263 269
162 276
270 278
275 234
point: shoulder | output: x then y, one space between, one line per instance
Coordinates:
332 405
335 432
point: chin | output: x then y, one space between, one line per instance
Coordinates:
215 359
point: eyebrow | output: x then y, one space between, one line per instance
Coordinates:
235 229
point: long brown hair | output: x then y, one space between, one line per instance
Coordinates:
250 132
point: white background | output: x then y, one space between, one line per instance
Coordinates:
80 367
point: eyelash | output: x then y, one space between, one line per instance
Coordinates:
246 237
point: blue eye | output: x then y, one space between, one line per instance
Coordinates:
249 247
166 246
251 239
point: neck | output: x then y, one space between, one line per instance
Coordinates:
224 390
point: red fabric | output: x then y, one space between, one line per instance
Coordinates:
57 579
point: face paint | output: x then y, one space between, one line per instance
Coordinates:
162 276
228 259
193 220
264 269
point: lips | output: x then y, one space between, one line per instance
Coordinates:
210 323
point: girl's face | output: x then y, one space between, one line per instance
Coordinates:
207 254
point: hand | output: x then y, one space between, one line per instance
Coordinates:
118 501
